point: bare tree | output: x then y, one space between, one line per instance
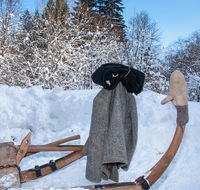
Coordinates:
9 14
12 65
144 49
144 37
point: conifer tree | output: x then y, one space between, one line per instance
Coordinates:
56 10
87 9
104 13
85 6
111 11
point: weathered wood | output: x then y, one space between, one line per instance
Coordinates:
60 163
23 148
58 142
38 148
9 176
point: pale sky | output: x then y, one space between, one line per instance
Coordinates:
174 18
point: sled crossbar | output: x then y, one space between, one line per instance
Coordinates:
38 148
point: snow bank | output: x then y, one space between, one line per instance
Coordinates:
55 114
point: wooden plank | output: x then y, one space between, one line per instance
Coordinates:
75 137
9 177
38 148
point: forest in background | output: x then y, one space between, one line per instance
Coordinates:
59 46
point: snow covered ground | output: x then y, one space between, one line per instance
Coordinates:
55 114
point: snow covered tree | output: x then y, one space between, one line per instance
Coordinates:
144 38
27 36
13 68
111 11
99 44
56 10
143 50
104 13
184 55
45 42
100 49
57 48
8 15
85 7
89 49
27 22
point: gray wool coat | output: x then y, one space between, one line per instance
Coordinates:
113 134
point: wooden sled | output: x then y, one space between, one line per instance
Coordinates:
11 165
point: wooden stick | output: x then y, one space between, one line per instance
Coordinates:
38 148
58 142
65 140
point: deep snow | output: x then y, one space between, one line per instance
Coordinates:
55 114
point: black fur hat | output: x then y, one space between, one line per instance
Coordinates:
110 74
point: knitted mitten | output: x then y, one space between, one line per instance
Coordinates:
178 96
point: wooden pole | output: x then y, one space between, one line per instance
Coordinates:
9 173
38 148
58 142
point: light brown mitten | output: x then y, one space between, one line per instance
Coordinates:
178 96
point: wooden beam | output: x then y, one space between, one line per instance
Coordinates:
38 148
75 137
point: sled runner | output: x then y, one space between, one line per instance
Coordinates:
9 165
